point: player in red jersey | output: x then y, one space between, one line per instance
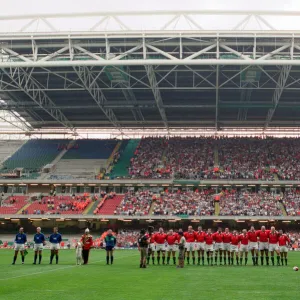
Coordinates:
273 245
190 237
253 245
218 238
200 244
226 245
160 239
234 248
172 240
263 236
209 246
244 246
151 248
283 242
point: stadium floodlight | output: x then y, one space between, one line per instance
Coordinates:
104 220
286 221
82 220
195 221
60 220
240 221
127 220
46 184
218 221
263 221
15 220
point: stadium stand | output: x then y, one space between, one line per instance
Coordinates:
135 203
8 148
109 204
122 164
34 154
84 160
13 204
59 205
250 204
185 203
291 202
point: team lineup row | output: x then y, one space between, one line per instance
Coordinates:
223 244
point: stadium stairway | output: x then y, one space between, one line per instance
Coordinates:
216 157
217 208
283 210
151 208
110 159
121 167
91 207
23 208
109 206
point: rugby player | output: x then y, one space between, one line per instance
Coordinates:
160 239
209 246
20 241
273 245
190 237
171 239
218 238
244 246
253 245
234 247
226 245
200 244
263 236
283 242
39 242
151 248
55 240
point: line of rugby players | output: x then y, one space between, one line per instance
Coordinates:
225 244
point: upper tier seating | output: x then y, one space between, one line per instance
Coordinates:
7 148
13 204
91 149
34 154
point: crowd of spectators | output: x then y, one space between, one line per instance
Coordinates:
291 202
136 203
245 203
127 238
185 203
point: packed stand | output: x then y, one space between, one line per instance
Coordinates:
198 203
190 158
136 203
263 203
147 161
291 202
127 238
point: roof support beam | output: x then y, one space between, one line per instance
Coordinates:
157 95
88 80
31 88
282 79
11 118
217 99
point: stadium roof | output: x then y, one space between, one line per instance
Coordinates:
166 76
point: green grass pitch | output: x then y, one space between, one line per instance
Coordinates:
125 280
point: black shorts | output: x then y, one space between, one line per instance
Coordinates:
109 248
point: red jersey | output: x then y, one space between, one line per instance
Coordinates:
160 238
244 239
172 238
190 237
273 237
152 240
235 239
283 240
200 236
252 236
218 237
87 242
209 239
263 235
227 237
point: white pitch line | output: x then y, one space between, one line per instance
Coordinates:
47 271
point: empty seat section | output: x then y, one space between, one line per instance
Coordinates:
34 154
13 204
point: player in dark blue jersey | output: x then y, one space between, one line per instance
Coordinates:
55 240
20 241
39 242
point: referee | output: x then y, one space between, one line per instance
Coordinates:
20 241
110 243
